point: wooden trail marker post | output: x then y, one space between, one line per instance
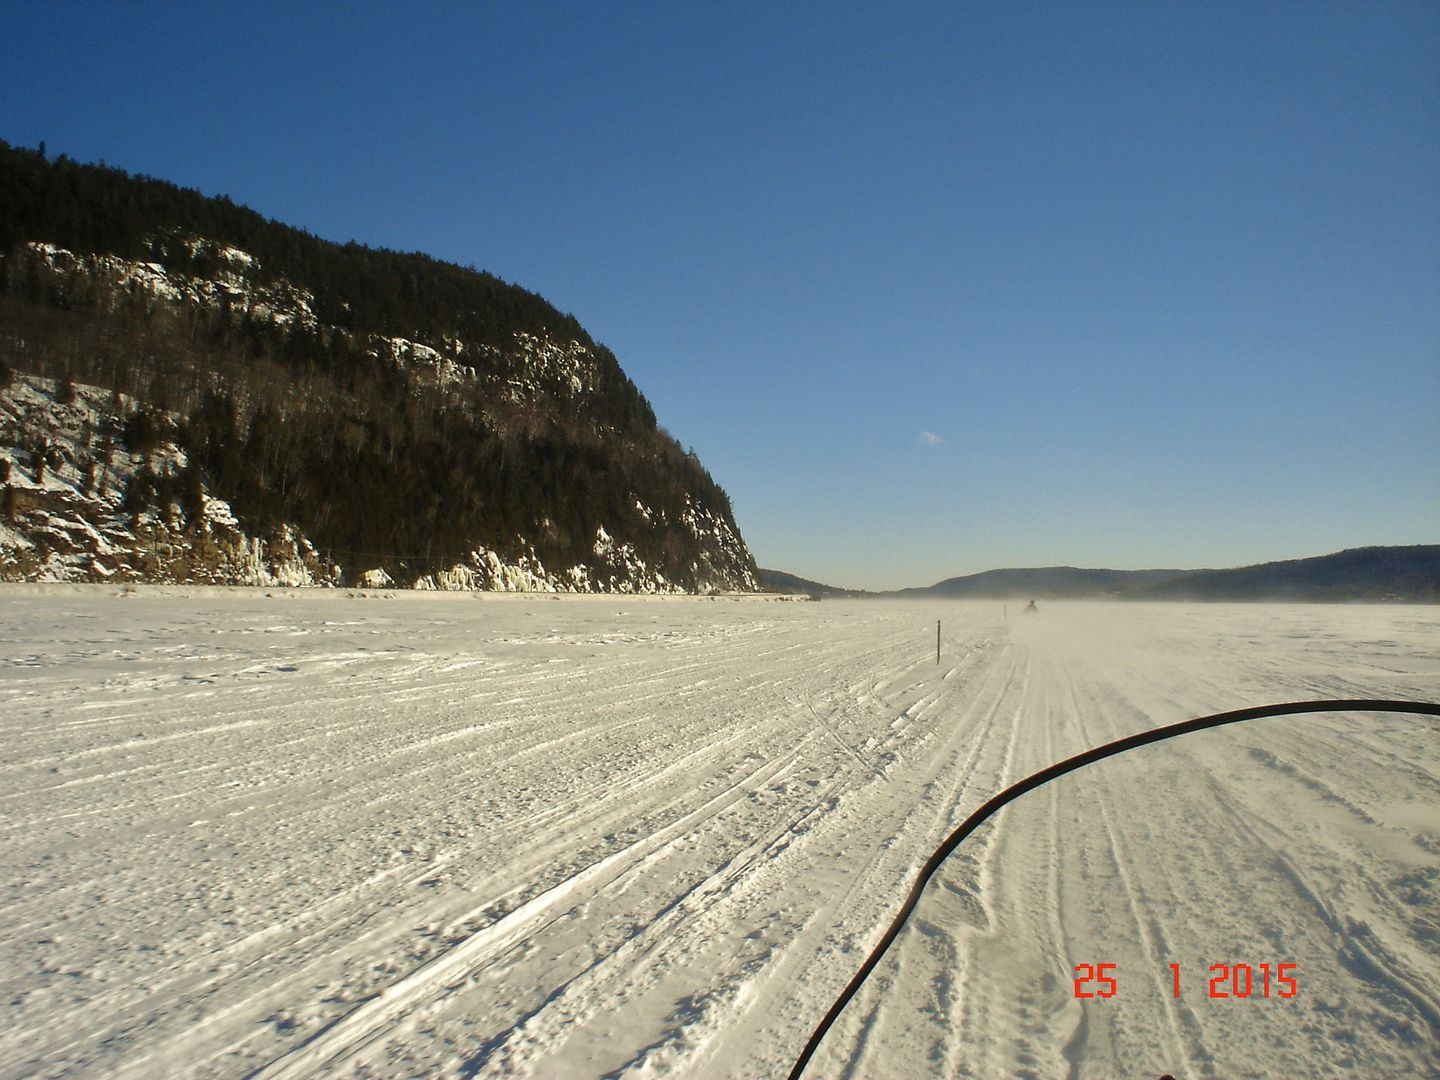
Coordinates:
937 641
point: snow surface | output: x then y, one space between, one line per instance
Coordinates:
290 833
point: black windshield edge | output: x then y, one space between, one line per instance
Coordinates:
1060 768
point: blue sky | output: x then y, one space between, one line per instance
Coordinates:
930 288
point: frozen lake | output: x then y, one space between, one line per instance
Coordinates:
305 833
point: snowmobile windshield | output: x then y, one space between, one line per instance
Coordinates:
1258 899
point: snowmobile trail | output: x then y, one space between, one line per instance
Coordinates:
1126 834
311 834
462 964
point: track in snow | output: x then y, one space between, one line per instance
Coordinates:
309 834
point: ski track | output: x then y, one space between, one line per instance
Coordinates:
296 834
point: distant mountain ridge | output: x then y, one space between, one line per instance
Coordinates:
1402 573
780 582
399 419
1371 573
1053 582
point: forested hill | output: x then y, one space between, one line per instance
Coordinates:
1409 573
399 417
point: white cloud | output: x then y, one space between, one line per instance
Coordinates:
929 438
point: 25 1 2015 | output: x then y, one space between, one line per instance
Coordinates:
1225 980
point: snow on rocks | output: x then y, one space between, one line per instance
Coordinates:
443 368
541 367
621 571
72 524
70 520
236 287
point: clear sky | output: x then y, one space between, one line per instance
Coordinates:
930 288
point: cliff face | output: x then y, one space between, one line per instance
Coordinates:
74 509
179 407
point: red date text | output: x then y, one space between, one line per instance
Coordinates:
1225 980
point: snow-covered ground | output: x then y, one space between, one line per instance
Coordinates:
294 833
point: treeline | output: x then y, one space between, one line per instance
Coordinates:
379 464
92 208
